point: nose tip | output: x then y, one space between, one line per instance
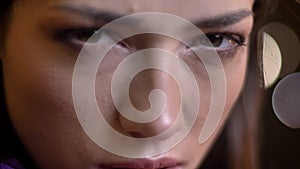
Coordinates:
151 129
140 88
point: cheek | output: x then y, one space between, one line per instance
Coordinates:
234 69
235 72
38 76
37 71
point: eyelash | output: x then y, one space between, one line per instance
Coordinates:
70 35
73 37
236 40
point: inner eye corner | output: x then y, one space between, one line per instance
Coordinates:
124 43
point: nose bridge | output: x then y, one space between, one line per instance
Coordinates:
140 88
160 41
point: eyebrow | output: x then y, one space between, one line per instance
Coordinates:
223 20
88 12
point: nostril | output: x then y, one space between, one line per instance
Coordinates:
139 130
136 135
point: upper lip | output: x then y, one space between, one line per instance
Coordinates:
162 163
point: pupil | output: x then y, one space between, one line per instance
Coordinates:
85 35
216 40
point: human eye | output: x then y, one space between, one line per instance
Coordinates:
226 44
78 37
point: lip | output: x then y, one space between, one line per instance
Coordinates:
162 163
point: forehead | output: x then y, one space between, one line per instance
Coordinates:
189 9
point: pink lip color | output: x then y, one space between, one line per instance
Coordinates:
163 163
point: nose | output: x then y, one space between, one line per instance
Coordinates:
140 88
144 83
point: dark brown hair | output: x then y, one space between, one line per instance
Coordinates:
5 11
10 144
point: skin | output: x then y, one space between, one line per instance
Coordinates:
38 71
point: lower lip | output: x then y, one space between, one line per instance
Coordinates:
144 164
140 165
174 167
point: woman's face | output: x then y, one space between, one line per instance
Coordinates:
43 42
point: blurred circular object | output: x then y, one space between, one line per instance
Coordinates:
286 100
288 43
271 58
